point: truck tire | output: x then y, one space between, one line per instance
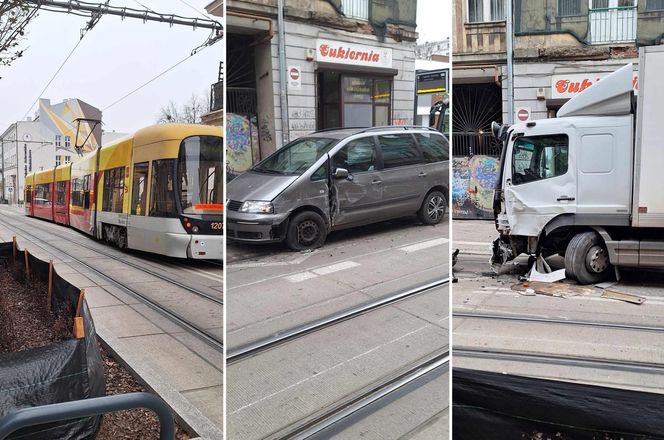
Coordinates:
587 260
433 208
306 230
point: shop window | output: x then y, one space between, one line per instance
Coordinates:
569 8
480 11
539 157
366 101
435 148
113 190
357 156
399 150
654 5
162 200
139 192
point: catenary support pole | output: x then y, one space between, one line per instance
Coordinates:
510 61
283 86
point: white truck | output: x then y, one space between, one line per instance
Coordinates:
589 184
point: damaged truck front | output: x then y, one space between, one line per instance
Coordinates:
587 184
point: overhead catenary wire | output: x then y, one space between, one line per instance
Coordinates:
151 80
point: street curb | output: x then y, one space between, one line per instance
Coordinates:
187 415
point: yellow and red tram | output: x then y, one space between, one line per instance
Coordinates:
159 190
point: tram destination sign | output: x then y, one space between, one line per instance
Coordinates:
337 52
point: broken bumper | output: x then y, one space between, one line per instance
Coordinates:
255 228
502 253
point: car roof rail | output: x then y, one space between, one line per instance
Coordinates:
399 127
323 130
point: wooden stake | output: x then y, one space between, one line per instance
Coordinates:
50 284
27 265
79 327
14 250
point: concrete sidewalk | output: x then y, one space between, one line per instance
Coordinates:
179 367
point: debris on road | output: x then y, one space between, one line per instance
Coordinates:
561 290
634 299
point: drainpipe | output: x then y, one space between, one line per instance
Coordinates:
285 135
510 61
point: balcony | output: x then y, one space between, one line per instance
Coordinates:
217 96
612 25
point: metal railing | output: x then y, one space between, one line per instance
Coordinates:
355 8
242 100
473 144
56 412
612 25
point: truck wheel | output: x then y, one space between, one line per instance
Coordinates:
306 230
586 259
433 208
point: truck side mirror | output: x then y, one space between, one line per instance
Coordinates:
341 173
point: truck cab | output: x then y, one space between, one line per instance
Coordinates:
570 185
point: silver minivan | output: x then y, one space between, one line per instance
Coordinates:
336 179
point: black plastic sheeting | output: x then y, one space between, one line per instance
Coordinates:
499 406
60 372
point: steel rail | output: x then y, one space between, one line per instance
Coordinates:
555 359
212 340
253 348
129 263
557 321
371 396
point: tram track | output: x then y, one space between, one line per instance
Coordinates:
557 321
140 267
254 348
212 340
319 425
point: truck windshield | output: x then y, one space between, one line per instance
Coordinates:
200 175
296 157
539 157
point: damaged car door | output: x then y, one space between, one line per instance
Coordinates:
357 190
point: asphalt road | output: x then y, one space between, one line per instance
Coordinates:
271 289
480 291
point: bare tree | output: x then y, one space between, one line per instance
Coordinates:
14 17
188 113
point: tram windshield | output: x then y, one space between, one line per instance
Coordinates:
200 175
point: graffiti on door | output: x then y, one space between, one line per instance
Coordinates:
473 181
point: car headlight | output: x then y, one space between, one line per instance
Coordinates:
257 207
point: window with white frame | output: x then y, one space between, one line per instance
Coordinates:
67 141
58 161
569 8
67 159
355 8
480 11
58 140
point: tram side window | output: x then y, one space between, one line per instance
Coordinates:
80 194
42 195
86 192
60 188
28 195
113 190
162 199
139 194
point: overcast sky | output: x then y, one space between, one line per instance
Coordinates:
114 58
434 20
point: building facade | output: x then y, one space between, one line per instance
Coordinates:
560 48
46 141
215 115
347 63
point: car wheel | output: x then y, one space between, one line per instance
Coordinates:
433 208
587 260
306 230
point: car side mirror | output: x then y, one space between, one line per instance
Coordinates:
341 173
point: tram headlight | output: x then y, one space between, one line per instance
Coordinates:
257 207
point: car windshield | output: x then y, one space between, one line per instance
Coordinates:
296 157
200 175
